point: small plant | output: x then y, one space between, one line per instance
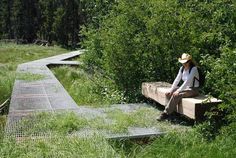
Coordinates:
143 117
58 146
88 89
45 123
29 76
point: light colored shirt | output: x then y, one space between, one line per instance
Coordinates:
188 79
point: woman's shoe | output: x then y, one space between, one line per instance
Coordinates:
162 117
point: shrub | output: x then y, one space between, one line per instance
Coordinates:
221 80
142 44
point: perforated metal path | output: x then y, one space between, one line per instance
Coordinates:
38 90
44 94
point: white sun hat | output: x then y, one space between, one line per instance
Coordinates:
184 58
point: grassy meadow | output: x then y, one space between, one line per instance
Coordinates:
12 55
86 90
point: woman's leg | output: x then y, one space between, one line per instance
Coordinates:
174 100
169 95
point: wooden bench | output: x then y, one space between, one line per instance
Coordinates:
193 108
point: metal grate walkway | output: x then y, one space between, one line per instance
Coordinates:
46 94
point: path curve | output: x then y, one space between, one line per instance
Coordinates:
48 94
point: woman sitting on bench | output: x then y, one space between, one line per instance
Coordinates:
190 76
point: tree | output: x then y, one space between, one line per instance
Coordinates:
143 43
1 17
26 15
6 26
68 19
58 27
47 10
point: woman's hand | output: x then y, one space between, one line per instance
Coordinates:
176 93
168 93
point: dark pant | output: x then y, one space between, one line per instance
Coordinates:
174 100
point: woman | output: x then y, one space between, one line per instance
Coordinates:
190 76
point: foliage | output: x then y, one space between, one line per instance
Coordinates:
221 81
113 122
142 44
190 144
221 78
25 16
56 21
6 29
93 90
142 117
29 76
58 146
96 10
61 123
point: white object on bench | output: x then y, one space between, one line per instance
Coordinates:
192 107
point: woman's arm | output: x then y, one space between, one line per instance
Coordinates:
189 80
176 81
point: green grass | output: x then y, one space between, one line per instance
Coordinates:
16 54
60 123
95 91
180 142
115 121
29 76
87 89
12 55
142 117
188 144
58 146
7 77
2 122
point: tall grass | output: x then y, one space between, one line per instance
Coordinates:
176 145
58 146
62 128
114 121
29 76
7 77
11 55
191 145
16 54
86 89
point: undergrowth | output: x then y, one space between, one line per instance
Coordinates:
112 121
12 55
88 89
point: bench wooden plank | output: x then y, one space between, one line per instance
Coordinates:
193 108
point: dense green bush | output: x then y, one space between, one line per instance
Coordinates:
221 82
221 78
142 44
